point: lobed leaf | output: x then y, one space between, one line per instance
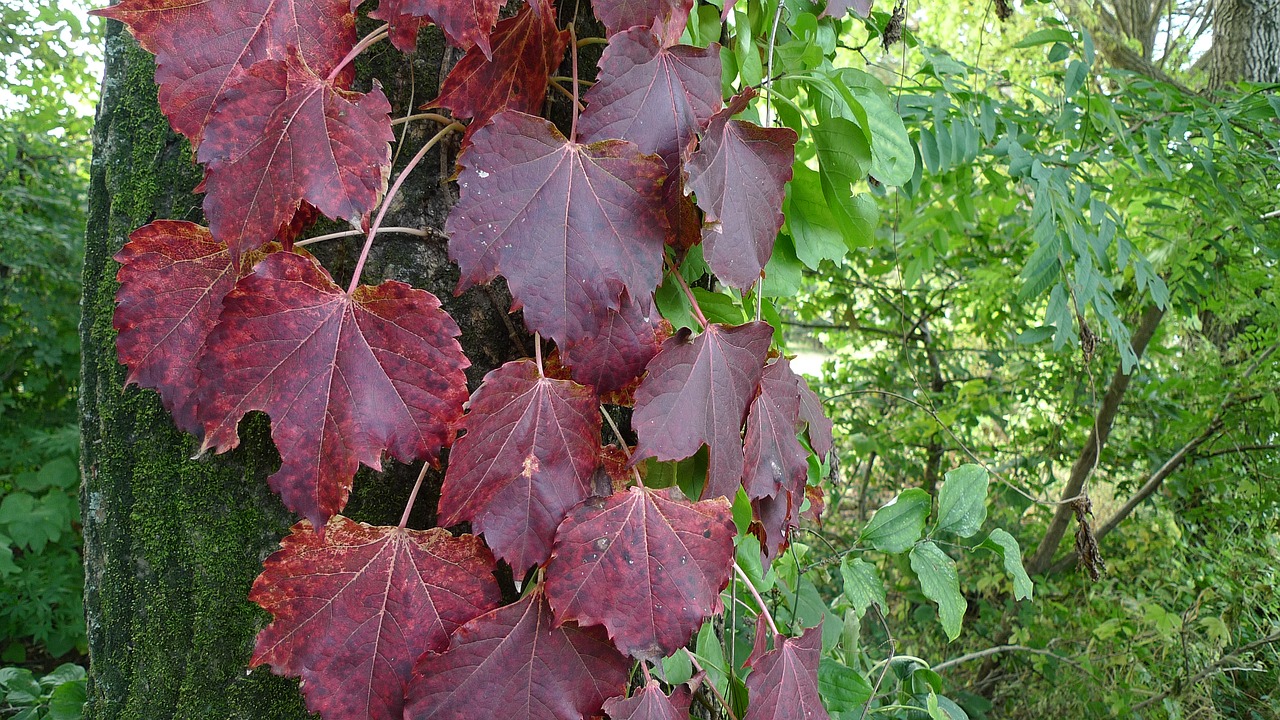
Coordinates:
666 18
696 393
464 22
528 455
343 377
648 565
514 662
650 703
354 608
570 226
775 459
783 684
616 355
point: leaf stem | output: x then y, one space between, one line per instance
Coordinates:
408 506
591 41
764 609
442 119
555 85
353 233
386 202
537 353
728 709
573 126
378 34
563 78
688 292
623 442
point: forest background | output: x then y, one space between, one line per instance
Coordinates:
976 324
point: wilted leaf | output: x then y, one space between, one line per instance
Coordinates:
528 455
353 610
343 377
696 392
648 565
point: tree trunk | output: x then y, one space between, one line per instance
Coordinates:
1246 42
172 544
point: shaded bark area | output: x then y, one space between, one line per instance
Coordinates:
1246 42
173 544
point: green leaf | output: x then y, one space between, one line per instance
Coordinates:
67 701
844 155
21 687
841 688
784 272
814 228
1034 335
962 503
941 584
710 656
862 584
900 523
1046 36
1006 546
677 668
1077 72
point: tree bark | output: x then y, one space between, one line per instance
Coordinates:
1246 42
172 544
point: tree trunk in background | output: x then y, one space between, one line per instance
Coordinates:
1246 42
172 544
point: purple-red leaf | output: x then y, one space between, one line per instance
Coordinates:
173 276
738 173
625 342
648 565
775 517
343 377
199 45
650 703
464 22
655 97
355 608
514 663
783 684
667 18
527 48
839 8
811 413
696 393
284 135
775 459
571 226
529 453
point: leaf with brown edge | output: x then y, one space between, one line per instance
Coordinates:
464 22
570 226
514 662
626 340
356 607
648 565
527 48
289 136
650 703
783 684
173 276
738 173
199 45
773 520
528 455
696 392
775 459
819 425
343 377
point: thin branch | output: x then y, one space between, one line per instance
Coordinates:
1214 667
1000 649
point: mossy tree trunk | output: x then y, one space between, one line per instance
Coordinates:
172 544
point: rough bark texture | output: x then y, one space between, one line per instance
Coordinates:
172 544
1246 42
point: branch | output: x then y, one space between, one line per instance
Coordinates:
1000 649
1210 669
1088 458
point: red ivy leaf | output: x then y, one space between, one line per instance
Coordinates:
820 425
513 662
527 48
774 519
655 97
667 18
173 276
775 459
616 355
355 608
696 392
529 453
648 565
840 8
649 703
783 684
343 377
738 173
464 22
200 45
570 226
290 136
